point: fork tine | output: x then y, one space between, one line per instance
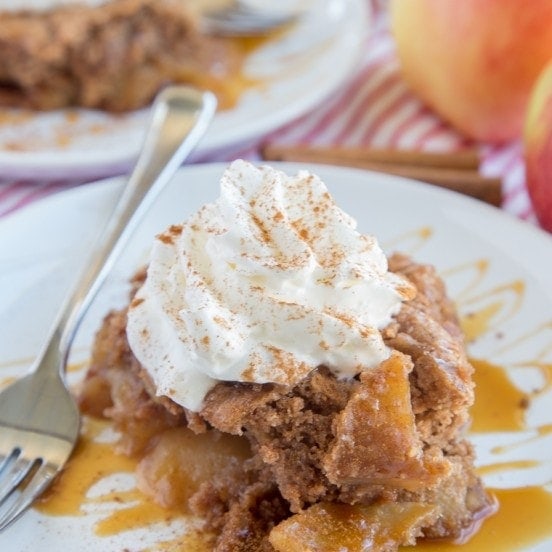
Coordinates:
38 483
13 475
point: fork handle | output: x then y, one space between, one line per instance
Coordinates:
180 116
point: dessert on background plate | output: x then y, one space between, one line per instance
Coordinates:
281 76
277 376
112 55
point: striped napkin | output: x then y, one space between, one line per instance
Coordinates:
373 109
377 110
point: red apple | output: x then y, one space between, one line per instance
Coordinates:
474 61
537 137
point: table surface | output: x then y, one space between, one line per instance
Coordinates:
374 109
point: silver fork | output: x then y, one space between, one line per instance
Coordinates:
39 420
239 18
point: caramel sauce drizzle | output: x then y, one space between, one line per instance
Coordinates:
19 362
4 382
490 309
539 433
411 241
499 404
507 466
92 462
477 271
540 361
524 519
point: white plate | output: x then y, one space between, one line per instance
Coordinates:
298 71
43 245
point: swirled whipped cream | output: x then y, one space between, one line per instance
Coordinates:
263 285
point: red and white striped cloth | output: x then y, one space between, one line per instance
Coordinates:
374 109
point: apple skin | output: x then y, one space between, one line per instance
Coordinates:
537 141
474 62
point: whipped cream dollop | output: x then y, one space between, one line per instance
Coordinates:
263 285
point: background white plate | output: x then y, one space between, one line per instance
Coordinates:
298 70
42 246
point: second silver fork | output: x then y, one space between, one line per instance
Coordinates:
240 18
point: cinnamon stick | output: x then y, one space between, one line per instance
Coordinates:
456 171
462 159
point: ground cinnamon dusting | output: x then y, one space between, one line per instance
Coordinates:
136 301
166 239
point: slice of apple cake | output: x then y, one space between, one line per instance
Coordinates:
278 376
112 54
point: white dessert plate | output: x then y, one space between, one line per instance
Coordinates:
297 71
495 267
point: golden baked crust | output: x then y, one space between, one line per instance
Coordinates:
394 435
114 57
